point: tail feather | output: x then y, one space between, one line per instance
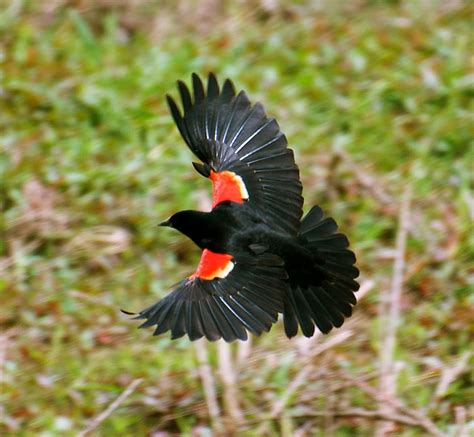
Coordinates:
321 315
303 311
324 303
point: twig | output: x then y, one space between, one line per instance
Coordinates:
423 421
460 415
17 247
468 198
4 344
5 341
396 404
228 378
307 369
208 384
365 287
304 430
387 368
449 374
360 412
92 299
244 348
111 408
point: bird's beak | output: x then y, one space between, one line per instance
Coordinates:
203 169
165 223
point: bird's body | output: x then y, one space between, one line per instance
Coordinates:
231 227
259 258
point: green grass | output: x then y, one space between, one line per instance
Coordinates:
372 97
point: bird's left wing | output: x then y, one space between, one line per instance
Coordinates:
226 297
243 151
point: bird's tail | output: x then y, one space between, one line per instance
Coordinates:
324 302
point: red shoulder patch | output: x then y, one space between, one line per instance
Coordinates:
213 265
227 185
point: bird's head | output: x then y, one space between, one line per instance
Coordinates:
181 220
193 224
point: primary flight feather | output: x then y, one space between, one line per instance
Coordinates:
259 258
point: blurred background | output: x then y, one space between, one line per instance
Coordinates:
375 98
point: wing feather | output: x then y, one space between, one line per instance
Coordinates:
198 89
210 329
212 87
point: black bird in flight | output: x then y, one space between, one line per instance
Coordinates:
258 257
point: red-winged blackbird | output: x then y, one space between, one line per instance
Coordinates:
259 258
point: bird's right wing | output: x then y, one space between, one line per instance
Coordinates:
244 152
226 297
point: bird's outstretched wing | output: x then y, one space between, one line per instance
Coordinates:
225 298
243 151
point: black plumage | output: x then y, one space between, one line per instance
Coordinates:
259 258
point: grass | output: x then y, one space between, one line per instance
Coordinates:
373 97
